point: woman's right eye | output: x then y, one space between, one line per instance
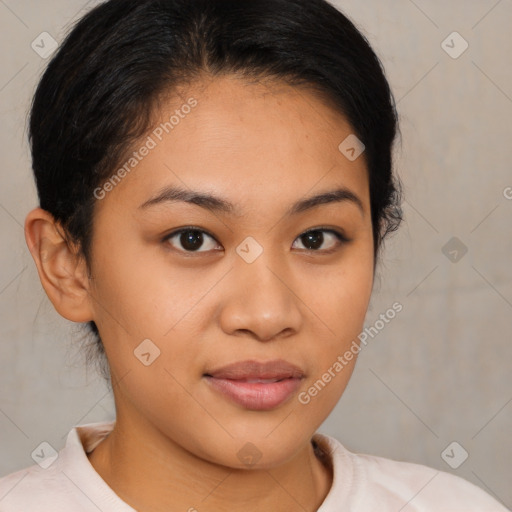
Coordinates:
192 240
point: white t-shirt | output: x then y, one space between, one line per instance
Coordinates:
362 483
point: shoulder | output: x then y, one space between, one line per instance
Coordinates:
385 484
32 488
421 488
62 481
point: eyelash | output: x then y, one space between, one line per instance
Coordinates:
342 239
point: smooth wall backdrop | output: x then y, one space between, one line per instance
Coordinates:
433 385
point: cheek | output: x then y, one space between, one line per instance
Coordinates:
151 318
138 292
340 294
340 300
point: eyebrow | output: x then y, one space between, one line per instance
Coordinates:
218 204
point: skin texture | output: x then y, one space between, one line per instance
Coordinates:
175 444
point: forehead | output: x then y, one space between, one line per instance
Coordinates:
242 114
248 140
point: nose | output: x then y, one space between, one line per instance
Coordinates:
261 301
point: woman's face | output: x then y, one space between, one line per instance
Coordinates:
178 312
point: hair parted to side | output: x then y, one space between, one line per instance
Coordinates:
101 90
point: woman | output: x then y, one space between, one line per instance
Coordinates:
215 184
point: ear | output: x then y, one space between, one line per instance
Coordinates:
62 271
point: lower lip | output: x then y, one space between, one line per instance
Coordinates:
257 396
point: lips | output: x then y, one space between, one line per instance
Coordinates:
256 385
253 370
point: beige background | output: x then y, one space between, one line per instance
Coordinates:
440 371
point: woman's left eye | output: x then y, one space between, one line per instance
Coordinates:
314 240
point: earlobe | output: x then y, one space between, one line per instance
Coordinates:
62 271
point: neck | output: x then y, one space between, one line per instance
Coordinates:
159 475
